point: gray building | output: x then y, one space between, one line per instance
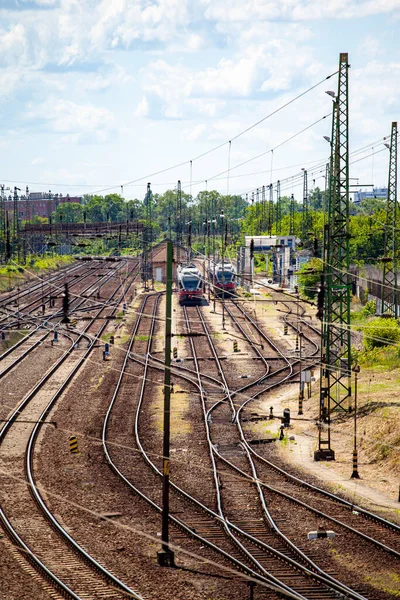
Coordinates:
375 193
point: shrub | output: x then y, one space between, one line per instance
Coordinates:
369 309
381 332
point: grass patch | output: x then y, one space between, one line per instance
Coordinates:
386 582
142 338
179 408
13 275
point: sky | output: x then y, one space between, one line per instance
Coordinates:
96 95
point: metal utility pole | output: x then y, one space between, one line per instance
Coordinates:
291 216
178 222
389 294
355 474
335 387
165 556
278 207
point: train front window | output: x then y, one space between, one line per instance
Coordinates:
191 284
227 276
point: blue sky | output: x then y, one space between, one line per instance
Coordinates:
95 94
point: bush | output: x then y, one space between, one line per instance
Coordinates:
381 332
369 309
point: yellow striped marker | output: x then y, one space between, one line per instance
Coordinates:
73 444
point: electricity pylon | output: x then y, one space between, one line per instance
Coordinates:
278 207
178 217
291 223
147 239
305 221
389 280
270 209
335 387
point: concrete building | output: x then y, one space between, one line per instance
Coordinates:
279 249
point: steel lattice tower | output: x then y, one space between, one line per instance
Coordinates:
278 207
263 211
305 221
147 238
335 387
291 215
389 280
270 209
178 222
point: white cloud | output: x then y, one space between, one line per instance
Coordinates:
142 109
196 133
301 10
78 122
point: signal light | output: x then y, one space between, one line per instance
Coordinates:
320 300
251 248
65 305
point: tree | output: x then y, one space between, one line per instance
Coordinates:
68 212
309 277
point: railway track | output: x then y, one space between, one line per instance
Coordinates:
47 545
19 351
240 522
260 550
339 512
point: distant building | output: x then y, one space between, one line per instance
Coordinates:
375 193
37 204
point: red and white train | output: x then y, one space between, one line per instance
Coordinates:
190 285
225 279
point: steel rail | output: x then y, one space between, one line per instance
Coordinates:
353 530
29 464
40 298
38 342
177 522
350 505
316 571
34 321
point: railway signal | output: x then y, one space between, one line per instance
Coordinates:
65 298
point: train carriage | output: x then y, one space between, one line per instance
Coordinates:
190 285
225 279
